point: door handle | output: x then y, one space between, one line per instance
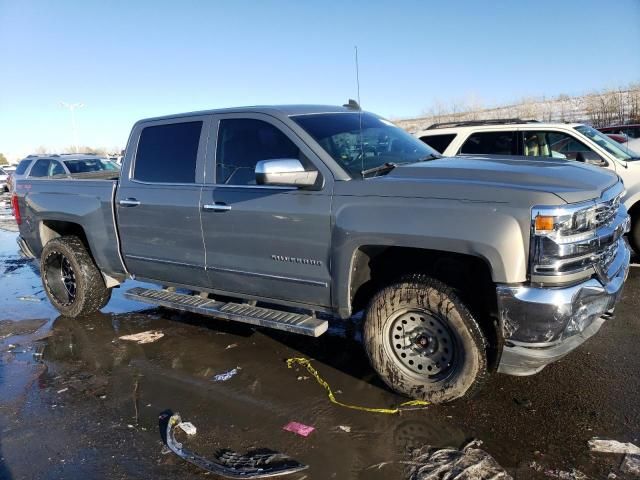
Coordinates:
129 202
216 207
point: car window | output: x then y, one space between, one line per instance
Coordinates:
242 142
86 165
22 167
554 145
439 142
40 169
490 143
361 141
632 132
168 153
603 141
2 172
56 168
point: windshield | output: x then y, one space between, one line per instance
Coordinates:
355 149
611 146
90 165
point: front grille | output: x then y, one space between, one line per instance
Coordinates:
606 212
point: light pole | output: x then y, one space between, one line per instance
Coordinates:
72 108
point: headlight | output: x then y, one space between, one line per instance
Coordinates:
566 224
568 241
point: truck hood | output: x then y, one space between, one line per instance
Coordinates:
571 181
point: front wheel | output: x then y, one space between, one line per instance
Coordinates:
424 342
71 279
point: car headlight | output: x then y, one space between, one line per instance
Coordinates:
566 225
568 241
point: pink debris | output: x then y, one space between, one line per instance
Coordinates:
298 428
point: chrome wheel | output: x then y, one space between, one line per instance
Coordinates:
423 344
60 279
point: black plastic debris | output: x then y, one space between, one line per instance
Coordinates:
226 463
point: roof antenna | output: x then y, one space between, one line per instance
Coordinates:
352 104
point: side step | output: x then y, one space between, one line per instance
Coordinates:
263 317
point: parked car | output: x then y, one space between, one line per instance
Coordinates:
618 138
65 165
630 131
515 138
461 266
4 176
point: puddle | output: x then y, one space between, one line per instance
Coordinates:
76 401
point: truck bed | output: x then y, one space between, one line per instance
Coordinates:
83 205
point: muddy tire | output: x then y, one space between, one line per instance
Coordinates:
424 342
71 279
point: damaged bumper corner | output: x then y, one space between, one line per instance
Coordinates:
542 325
24 248
227 463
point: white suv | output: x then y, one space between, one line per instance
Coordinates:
535 140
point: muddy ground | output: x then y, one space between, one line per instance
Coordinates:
78 402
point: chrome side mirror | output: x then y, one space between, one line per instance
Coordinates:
287 172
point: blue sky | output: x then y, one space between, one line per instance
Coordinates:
126 60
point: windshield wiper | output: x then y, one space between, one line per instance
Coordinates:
431 156
385 167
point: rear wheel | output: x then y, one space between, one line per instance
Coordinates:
71 279
423 341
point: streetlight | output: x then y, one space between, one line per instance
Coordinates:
72 108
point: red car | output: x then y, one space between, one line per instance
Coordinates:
618 138
632 131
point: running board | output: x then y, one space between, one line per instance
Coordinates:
238 312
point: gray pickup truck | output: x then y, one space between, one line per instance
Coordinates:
286 217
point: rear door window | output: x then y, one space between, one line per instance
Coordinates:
491 143
168 153
439 142
40 169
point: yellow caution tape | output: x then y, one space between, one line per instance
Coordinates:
307 364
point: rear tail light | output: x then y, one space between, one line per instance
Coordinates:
16 208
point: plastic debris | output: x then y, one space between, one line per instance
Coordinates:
63 390
143 337
299 428
345 428
29 298
227 463
307 364
223 377
230 346
631 464
188 428
469 463
612 446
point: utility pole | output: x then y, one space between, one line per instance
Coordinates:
72 108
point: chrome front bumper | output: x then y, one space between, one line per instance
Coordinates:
541 325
